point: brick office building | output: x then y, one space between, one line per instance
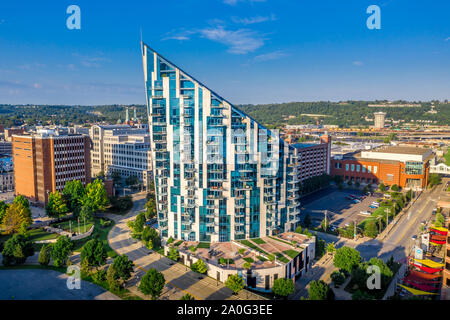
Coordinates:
44 162
407 167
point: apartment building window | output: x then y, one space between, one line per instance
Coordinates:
369 169
346 167
375 169
363 168
358 168
353 167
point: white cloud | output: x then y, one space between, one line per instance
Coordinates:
37 85
447 39
252 20
234 2
358 63
91 61
240 41
270 56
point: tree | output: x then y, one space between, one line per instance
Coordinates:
112 279
319 290
152 283
331 248
371 228
307 221
22 200
17 218
150 237
74 192
382 187
199 267
44 255
235 283
86 213
434 179
440 220
61 250
338 278
123 267
96 196
139 223
283 287
132 180
94 252
347 258
3 207
56 206
115 176
17 249
150 208
395 187
187 296
173 254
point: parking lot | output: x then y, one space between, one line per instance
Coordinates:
337 205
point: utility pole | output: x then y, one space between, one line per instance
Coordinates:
354 232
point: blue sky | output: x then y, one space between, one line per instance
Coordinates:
249 51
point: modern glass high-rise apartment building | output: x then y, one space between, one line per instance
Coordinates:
219 174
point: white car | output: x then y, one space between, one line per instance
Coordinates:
366 213
375 204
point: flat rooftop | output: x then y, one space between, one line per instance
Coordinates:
402 150
265 252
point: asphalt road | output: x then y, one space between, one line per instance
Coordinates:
398 243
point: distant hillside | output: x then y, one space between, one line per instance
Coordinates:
342 113
64 115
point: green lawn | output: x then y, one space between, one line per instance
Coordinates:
281 257
203 245
249 260
40 235
258 241
291 253
447 157
72 225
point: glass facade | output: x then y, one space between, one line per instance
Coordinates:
219 175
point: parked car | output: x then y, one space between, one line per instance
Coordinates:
434 210
372 207
414 237
366 213
356 200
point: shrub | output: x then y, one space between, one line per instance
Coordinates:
44 255
199 267
235 283
338 278
99 276
17 249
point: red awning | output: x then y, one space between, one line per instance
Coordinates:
419 279
437 241
437 237
425 276
444 233
427 269
423 287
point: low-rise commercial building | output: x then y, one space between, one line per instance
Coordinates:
45 161
258 261
407 167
